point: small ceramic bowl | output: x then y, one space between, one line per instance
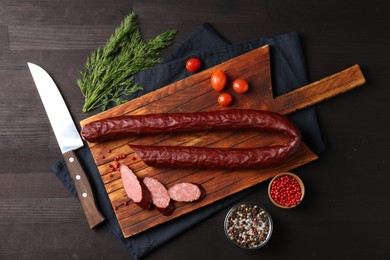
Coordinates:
288 189
248 226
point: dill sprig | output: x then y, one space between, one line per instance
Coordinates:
109 70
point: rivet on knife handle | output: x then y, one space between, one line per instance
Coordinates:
84 190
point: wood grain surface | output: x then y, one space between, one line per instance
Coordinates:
194 94
344 214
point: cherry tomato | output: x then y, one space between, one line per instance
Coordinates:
193 64
225 99
218 80
240 86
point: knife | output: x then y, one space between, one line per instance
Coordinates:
68 139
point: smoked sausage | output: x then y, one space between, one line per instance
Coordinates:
184 156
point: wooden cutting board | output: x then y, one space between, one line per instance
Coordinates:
196 94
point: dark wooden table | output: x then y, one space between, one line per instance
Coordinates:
345 214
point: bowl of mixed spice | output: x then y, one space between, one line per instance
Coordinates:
286 190
248 226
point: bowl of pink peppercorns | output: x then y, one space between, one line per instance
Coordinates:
286 190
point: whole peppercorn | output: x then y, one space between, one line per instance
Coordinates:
248 226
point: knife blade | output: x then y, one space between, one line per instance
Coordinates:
68 139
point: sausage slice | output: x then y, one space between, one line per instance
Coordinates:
135 189
160 196
186 192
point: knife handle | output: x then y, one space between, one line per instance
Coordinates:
84 189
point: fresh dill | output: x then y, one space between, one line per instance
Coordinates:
109 70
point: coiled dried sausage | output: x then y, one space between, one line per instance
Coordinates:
184 156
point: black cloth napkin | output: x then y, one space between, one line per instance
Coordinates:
288 72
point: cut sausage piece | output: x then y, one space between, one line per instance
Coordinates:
186 192
160 196
135 189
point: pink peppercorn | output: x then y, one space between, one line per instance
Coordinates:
285 190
